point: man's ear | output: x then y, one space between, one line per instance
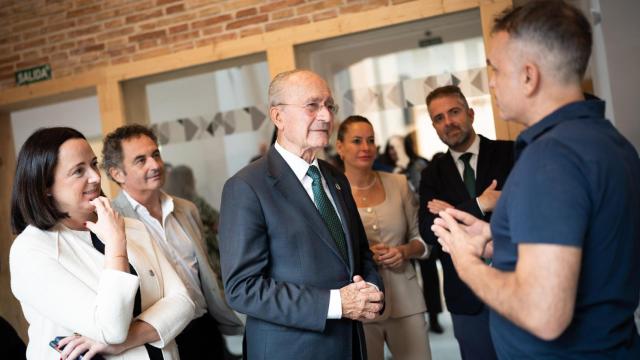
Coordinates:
276 117
530 78
472 114
117 174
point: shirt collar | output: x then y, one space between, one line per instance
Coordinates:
473 149
572 111
296 163
166 202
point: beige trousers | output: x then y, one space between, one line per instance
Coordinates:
407 338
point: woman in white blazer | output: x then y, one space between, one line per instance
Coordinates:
80 270
389 213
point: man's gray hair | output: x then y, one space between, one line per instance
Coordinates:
277 86
558 29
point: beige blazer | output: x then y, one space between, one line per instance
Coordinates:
60 281
187 215
395 222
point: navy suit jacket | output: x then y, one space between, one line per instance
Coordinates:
279 262
441 180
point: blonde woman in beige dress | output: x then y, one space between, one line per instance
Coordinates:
389 214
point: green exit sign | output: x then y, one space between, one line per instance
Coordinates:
34 74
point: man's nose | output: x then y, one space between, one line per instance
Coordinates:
153 162
324 114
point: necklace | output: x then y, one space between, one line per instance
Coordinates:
366 187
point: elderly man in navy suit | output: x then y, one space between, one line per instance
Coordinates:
454 180
294 254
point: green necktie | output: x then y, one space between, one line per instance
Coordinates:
327 211
468 175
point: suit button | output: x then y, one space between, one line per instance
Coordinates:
151 273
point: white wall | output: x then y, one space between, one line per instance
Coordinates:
82 114
616 59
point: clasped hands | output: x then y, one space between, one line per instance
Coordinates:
361 300
463 236
391 257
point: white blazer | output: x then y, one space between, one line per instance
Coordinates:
60 281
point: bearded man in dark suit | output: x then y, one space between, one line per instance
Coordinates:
452 180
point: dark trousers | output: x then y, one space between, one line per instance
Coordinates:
474 338
12 345
431 285
201 340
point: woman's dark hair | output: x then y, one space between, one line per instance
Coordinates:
31 203
344 125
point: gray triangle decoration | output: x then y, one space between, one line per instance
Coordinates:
190 129
479 82
257 118
455 80
431 82
394 95
211 127
348 96
228 123
215 123
162 132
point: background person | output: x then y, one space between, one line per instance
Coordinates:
389 213
77 267
472 162
181 183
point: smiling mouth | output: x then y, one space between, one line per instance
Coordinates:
95 191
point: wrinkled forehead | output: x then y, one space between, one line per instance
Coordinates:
306 87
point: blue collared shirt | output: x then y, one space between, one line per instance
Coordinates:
576 182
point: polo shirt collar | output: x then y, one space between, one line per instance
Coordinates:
572 111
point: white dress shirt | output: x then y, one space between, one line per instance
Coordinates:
176 245
300 168
474 149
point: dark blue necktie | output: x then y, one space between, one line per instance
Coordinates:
327 211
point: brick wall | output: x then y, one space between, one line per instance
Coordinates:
74 36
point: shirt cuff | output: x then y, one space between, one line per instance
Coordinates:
480 207
335 305
427 248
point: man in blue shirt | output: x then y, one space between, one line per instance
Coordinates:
565 235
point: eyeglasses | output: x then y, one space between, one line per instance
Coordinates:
313 108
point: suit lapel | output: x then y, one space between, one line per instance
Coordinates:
124 205
338 197
453 179
285 182
483 167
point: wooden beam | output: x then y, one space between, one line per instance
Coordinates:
281 58
111 103
50 91
488 11
9 307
